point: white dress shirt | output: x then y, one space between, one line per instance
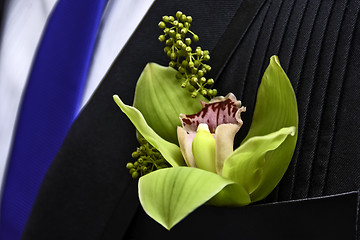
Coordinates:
22 28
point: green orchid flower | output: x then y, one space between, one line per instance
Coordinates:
205 168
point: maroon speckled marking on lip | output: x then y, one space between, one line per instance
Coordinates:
220 111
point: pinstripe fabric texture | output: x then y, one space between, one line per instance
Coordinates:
319 47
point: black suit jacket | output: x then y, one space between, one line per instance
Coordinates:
88 193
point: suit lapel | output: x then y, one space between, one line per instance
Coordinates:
88 179
88 194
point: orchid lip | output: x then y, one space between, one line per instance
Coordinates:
220 111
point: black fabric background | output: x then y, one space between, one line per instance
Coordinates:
325 218
318 46
88 193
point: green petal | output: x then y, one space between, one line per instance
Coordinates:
276 108
170 151
231 195
169 195
276 105
255 162
160 98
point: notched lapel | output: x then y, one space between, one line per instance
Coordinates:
87 192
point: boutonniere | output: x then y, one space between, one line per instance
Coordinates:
186 133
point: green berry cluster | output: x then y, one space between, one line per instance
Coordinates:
148 159
189 63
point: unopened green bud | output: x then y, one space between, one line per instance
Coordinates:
197 63
166 18
179 43
166 49
178 14
169 42
183 18
172 64
185 63
200 73
181 69
135 154
172 33
135 175
210 81
162 25
195 38
162 38
183 31
173 55
206 57
194 80
129 165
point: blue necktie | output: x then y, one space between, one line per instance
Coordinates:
49 105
